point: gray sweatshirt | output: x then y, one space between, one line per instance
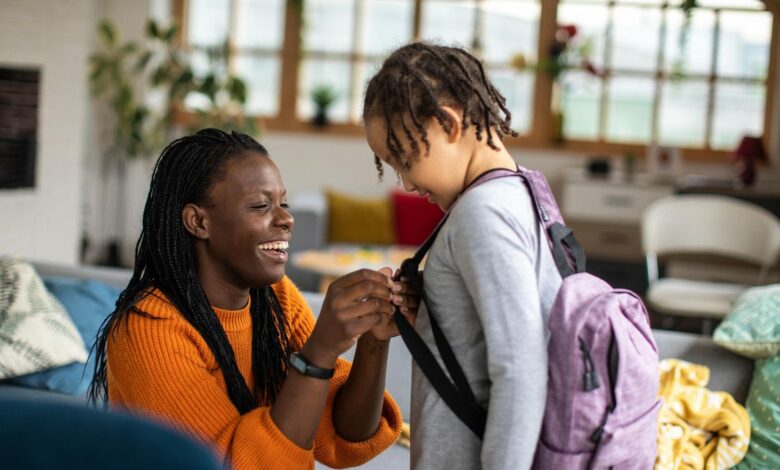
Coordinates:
491 280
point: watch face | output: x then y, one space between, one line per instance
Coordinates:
298 363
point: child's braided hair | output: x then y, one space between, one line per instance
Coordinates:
413 84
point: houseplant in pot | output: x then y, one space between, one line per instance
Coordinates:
323 97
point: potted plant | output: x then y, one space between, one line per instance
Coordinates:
120 71
323 97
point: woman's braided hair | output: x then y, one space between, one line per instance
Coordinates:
164 259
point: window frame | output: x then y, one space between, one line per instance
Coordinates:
541 132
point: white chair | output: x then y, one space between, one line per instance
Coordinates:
705 225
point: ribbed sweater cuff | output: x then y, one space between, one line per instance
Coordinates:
286 449
347 453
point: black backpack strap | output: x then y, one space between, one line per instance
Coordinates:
467 410
458 395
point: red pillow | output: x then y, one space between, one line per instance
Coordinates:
414 217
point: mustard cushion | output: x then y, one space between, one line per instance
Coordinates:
367 221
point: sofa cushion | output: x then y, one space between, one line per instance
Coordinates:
752 328
763 405
359 220
35 330
88 302
414 218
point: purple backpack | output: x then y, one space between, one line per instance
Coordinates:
602 394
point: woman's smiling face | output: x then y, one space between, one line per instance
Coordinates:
247 222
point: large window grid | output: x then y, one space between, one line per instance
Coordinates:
706 106
289 75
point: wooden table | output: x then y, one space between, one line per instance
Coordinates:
338 260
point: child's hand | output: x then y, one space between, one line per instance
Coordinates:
405 298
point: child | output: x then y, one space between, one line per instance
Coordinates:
433 116
202 334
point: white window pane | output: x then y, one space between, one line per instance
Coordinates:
744 4
698 48
208 22
739 110
364 70
328 25
387 25
743 49
448 22
683 113
260 23
635 38
517 88
261 75
319 72
201 64
591 22
511 27
581 102
630 109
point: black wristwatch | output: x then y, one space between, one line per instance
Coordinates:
304 366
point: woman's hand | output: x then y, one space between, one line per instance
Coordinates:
407 301
353 305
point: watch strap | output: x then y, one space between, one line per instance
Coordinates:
305 367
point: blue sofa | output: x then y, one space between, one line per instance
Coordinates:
729 372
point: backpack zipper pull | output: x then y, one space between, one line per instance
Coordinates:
590 378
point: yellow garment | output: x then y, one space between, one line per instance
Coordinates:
698 428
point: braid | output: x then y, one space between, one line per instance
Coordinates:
419 78
164 259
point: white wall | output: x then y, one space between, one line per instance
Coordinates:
53 35
310 162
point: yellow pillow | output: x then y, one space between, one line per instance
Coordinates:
367 221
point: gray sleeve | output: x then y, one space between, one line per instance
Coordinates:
496 259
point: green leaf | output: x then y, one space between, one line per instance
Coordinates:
143 61
323 96
152 30
209 86
237 89
170 34
107 32
160 75
127 48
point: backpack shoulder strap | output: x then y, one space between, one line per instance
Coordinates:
457 393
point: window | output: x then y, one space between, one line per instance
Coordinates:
344 41
253 32
699 84
497 31
703 89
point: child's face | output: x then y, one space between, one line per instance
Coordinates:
248 223
440 175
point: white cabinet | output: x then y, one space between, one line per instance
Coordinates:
605 213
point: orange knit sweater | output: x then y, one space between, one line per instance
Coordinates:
160 365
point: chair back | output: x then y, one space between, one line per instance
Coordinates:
711 225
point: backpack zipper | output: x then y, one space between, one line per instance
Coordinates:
590 377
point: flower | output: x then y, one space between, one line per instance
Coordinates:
570 53
564 53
